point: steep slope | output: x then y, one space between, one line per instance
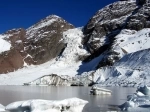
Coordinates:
127 41
105 22
38 44
119 33
110 21
133 67
44 39
11 57
132 70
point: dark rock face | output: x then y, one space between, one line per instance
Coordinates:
38 44
104 22
109 21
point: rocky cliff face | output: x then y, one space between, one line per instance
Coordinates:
110 21
119 34
35 45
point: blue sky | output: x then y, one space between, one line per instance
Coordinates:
24 13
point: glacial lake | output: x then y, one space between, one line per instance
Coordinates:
9 94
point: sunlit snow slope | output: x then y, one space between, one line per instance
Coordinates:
133 67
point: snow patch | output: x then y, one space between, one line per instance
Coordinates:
18 41
4 45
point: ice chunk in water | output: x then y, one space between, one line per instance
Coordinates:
139 101
2 108
67 105
144 89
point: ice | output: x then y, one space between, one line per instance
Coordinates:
139 101
67 105
139 94
2 108
96 90
144 89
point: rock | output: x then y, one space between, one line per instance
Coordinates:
105 21
35 45
44 38
110 21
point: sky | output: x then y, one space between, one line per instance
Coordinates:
24 13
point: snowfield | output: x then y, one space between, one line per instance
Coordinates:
132 41
133 67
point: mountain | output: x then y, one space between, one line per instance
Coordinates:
112 49
35 45
57 70
120 33
111 20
